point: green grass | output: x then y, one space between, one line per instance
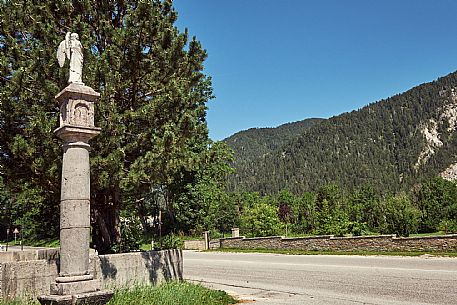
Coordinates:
194 237
48 243
19 302
173 293
365 253
427 234
145 246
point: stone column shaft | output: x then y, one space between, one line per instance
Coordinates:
75 210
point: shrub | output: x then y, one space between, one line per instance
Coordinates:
131 235
261 220
401 216
172 241
448 226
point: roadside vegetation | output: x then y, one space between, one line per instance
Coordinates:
173 293
430 210
331 210
19 302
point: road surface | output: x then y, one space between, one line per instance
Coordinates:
326 279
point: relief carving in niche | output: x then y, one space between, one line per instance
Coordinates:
77 112
81 115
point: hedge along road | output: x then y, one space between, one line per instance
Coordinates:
326 279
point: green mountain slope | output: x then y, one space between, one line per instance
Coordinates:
390 144
254 144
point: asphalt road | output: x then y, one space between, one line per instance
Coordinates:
326 279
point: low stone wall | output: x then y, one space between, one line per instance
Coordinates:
150 267
194 245
214 244
27 278
358 243
200 244
28 255
33 277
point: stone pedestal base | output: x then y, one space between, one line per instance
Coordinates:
77 292
92 298
70 288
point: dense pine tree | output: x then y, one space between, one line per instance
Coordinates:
152 107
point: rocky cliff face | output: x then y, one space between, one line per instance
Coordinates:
433 130
450 173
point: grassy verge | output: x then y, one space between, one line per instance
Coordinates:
145 246
19 302
365 253
174 293
427 234
48 243
179 293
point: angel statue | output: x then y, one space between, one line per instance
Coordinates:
71 48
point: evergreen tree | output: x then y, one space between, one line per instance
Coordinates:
151 111
332 211
365 210
401 216
307 213
204 204
437 200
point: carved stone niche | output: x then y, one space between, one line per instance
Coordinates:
77 113
77 106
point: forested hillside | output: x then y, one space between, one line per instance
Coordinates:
391 144
255 143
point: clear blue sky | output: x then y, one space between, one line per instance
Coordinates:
278 61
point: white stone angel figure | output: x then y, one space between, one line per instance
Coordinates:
71 48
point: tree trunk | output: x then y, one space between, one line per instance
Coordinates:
105 222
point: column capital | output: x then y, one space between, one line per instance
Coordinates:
70 133
79 92
77 112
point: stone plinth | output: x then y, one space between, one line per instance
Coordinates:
75 284
206 240
93 298
236 232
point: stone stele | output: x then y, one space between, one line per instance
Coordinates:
75 284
